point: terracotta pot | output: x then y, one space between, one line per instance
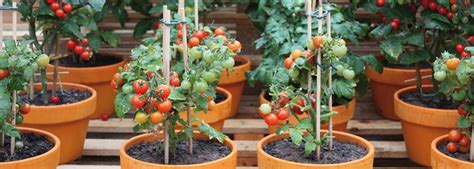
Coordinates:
266 161
216 116
386 84
48 160
96 77
127 162
340 120
440 160
422 125
68 122
234 81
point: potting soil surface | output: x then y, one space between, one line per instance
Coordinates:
33 145
458 155
99 60
342 152
68 96
428 101
203 151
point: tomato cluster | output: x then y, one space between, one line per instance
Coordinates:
460 48
458 142
279 110
80 48
61 11
450 11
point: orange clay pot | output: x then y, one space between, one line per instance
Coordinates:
218 114
96 77
422 125
68 122
127 162
440 160
266 161
48 160
386 84
340 120
234 81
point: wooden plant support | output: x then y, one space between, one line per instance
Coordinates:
328 29
14 107
196 14
318 84
2 138
166 73
182 17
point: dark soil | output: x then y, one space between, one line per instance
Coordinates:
238 63
342 152
68 96
423 65
428 101
33 145
96 61
204 151
220 97
460 156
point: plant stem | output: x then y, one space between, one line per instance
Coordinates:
55 69
167 142
419 87
2 140
12 141
190 139
44 87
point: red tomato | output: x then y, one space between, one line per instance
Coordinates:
282 114
180 34
85 55
85 41
70 44
137 101
465 141
296 109
454 136
120 80
283 99
156 117
51 1
175 82
394 24
164 106
288 63
380 3
104 117
67 8
462 111
4 74
470 39
193 42
459 47
54 6
199 34
450 15
432 6
453 1
140 86
425 3
163 91
25 109
179 26
78 49
54 99
465 54
219 31
442 10
60 13
156 25
452 147
271 119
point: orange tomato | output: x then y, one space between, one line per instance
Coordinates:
288 62
452 63
317 41
156 117
296 54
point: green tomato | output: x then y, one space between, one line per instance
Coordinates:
189 11
401 2
310 45
459 95
339 50
3 55
229 63
220 39
34 66
265 108
342 42
200 86
465 19
42 60
11 62
127 88
19 119
186 85
19 144
208 56
348 74
440 75
195 53
209 76
340 70
293 72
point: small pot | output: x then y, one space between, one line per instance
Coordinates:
96 77
127 162
387 83
218 114
48 160
68 122
422 125
234 81
266 161
440 160
340 120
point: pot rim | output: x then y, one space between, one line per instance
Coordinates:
49 136
122 58
369 147
231 145
435 150
399 69
410 88
65 84
226 93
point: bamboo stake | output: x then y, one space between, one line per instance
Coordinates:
31 85
12 139
309 37
2 138
166 72
318 84
196 14
55 68
328 25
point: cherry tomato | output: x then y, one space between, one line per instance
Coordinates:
19 119
465 54
199 34
104 117
211 105
465 141
464 149
452 147
296 54
462 111
432 6
470 39
452 63
163 91
425 3
51 1
282 114
380 3
271 119
25 108
394 25
140 117
70 44
67 8
348 74
60 14
179 26
296 109
229 63
318 41
137 101
442 10
156 25
467 3
85 41
450 15
193 42
219 31
175 82
4 74
180 34
339 50
85 55
454 136
283 99
54 99
453 1
288 62
209 76
156 117
164 106
54 6
140 86
79 49
440 75
459 47
200 86
265 109
118 79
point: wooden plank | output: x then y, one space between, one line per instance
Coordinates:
110 147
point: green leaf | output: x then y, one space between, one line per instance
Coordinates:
211 132
122 105
305 124
72 27
176 95
94 40
309 147
463 122
111 38
296 136
391 48
283 129
343 88
380 31
142 27
408 58
415 38
156 9
373 62
5 103
97 4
